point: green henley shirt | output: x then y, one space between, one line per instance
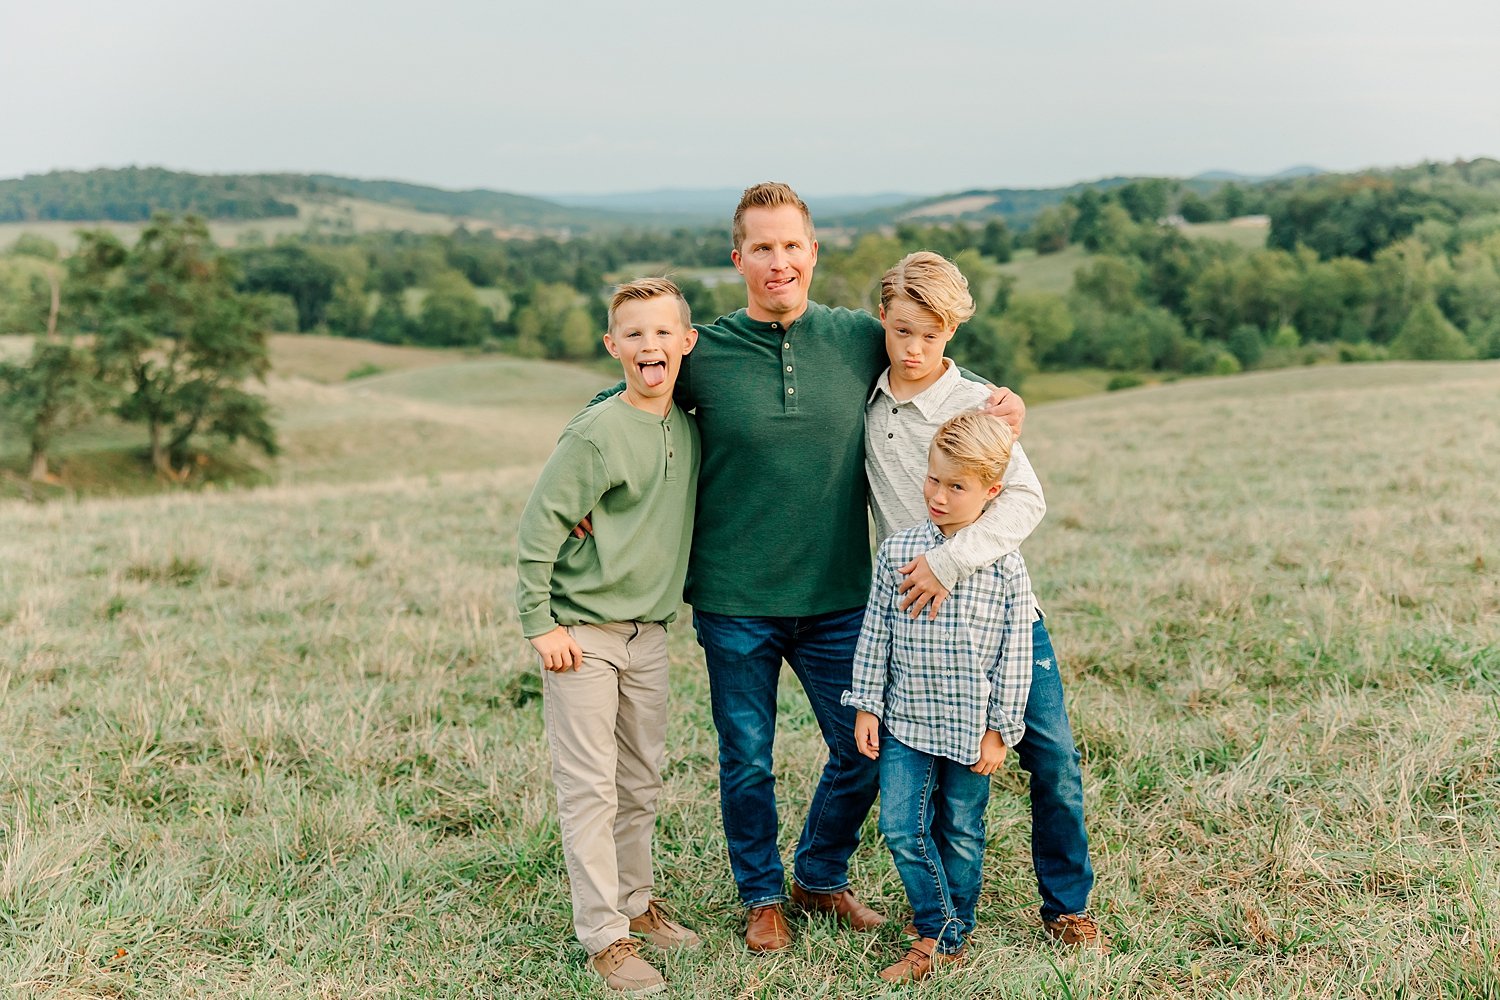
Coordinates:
782 529
635 475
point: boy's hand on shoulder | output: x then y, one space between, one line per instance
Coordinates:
920 587
558 650
1008 407
991 753
867 734
584 527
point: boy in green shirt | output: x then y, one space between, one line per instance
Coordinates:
595 608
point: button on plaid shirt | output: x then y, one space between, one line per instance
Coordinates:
937 685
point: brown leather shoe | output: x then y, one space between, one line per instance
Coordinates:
1080 931
919 961
766 929
667 934
845 905
625 971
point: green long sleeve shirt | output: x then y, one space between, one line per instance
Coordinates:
635 475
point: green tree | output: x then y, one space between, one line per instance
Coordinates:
451 314
55 390
996 241
182 340
291 270
1428 336
1051 229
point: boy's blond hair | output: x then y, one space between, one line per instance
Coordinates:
642 289
977 443
771 194
933 282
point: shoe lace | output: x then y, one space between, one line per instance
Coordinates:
622 949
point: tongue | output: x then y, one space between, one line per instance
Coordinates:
654 375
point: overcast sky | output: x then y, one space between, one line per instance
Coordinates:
835 97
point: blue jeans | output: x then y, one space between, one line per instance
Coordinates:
932 817
1059 844
744 656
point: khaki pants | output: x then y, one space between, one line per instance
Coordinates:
606 728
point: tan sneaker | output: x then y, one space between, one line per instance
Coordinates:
667 934
1080 931
919 961
624 970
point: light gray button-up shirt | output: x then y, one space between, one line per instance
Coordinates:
897 433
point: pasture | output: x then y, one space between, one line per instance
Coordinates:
286 741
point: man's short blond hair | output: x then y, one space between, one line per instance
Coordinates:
771 194
642 289
977 443
933 282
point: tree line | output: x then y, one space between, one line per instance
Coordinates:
170 332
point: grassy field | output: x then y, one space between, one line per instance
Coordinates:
286 742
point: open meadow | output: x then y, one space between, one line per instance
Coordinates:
286 742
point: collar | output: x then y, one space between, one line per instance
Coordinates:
932 532
930 399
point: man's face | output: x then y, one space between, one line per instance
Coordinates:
955 496
914 341
776 258
650 338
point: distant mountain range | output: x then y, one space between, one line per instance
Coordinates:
132 194
1290 173
719 203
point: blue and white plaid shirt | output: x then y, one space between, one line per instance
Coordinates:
938 684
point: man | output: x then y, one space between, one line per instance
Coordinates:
780 567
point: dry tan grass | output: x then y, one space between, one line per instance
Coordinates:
286 743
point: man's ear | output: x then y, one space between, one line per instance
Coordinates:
734 257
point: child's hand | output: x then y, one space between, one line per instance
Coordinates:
867 734
991 753
1007 406
920 586
558 650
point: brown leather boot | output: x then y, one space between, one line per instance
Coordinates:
1080 931
766 929
918 962
844 905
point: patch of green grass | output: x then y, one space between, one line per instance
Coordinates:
288 742
1052 272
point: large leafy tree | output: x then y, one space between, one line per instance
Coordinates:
172 328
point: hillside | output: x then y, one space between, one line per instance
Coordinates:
133 194
288 742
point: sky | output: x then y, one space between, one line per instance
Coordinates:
834 97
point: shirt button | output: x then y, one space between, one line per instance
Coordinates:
788 367
776 326
895 409
786 347
890 435
790 391
669 454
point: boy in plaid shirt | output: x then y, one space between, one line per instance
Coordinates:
940 699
